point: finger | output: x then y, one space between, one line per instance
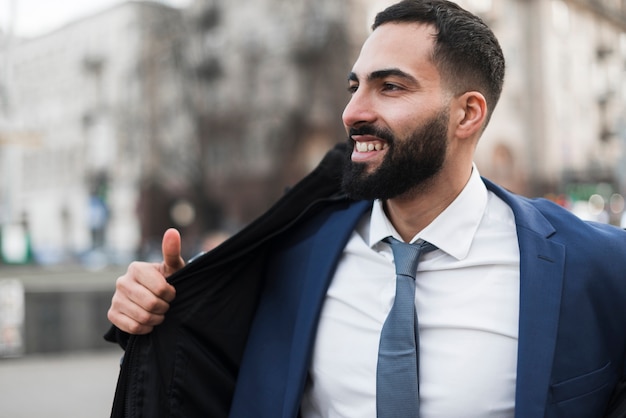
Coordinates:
132 317
128 324
171 248
144 285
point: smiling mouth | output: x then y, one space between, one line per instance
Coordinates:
369 146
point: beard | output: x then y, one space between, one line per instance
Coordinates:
407 166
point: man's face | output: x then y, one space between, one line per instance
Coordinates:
397 119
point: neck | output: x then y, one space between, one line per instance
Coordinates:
413 211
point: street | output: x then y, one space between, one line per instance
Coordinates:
67 385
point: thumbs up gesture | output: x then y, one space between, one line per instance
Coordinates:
143 295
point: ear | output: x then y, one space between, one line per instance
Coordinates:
472 112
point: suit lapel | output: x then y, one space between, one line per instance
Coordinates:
326 248
541 281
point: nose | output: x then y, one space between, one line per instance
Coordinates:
358 110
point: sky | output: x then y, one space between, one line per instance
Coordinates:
36 17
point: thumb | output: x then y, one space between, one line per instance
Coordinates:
171 248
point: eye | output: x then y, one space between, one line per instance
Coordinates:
391 87
353 88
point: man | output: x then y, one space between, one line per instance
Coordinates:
520 307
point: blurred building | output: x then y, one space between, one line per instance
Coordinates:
143 116
89 111
270 86
560 125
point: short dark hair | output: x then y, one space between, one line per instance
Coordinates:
466 51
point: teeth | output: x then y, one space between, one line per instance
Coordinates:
370 146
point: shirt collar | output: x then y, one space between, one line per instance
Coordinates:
452 231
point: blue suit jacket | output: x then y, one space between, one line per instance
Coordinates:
572 320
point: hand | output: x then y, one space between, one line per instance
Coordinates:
143 295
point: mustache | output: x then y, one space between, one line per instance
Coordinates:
372 130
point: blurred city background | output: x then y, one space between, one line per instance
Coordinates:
124 118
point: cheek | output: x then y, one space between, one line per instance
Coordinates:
406 126
409 117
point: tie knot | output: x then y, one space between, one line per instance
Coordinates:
406 256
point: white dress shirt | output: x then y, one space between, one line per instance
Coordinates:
467 300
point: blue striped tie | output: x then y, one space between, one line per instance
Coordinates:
397 386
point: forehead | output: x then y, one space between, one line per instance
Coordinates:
405 46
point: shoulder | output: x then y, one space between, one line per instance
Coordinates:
544 214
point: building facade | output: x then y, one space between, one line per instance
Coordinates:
568 72
559 128
98 103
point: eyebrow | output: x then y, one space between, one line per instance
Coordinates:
382 74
